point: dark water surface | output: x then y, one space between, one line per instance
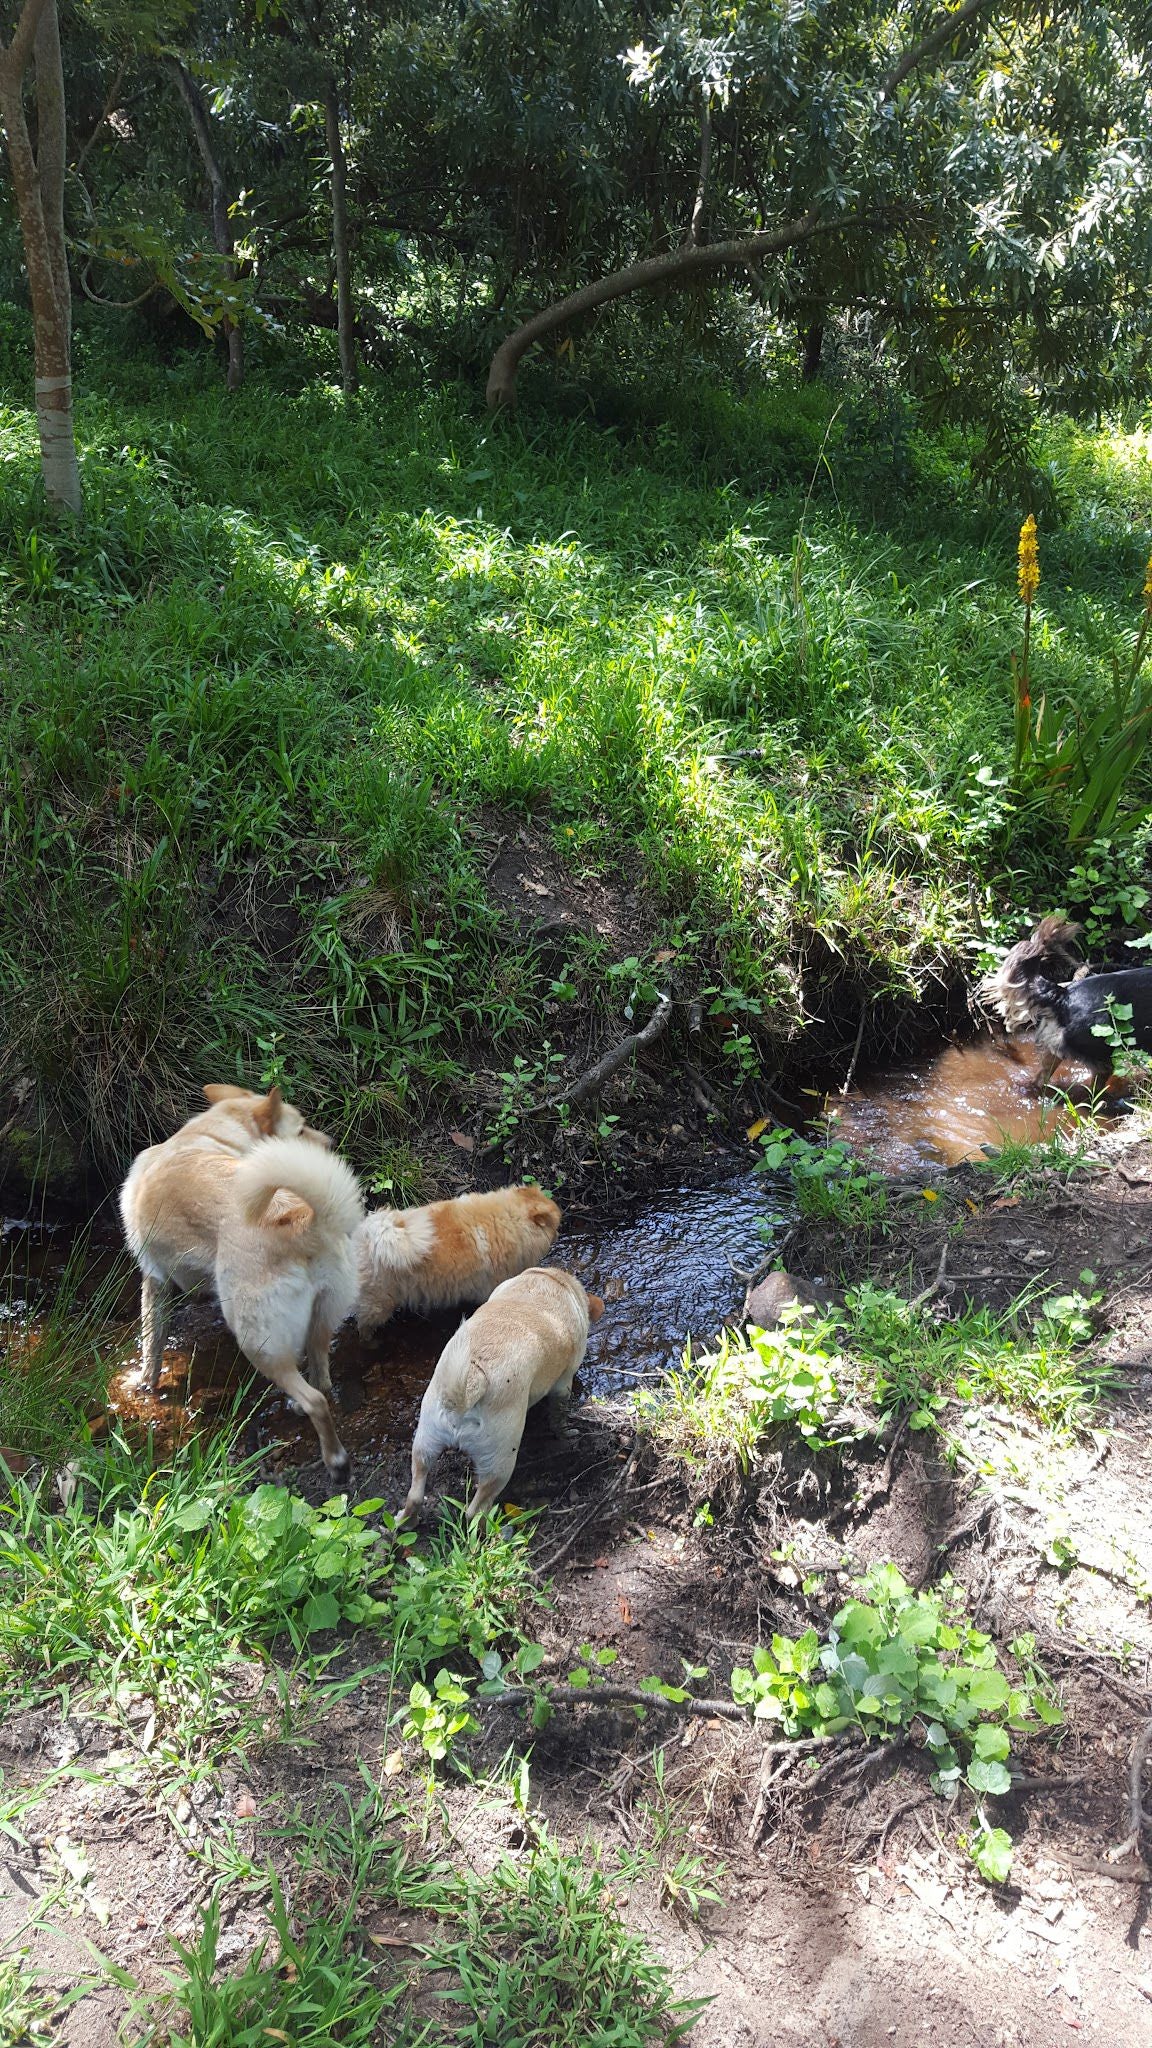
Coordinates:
664 1266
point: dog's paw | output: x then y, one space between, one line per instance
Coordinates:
340 1468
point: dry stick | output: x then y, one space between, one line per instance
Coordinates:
934 1286
1136 1815
595 1079
617 1695
549 1564
850 1076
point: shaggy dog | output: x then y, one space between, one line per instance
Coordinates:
526 1341
1040 987
449 1252
246 1199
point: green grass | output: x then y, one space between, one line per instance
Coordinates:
27 2008
57 1350
258 705
170 1585
816 1379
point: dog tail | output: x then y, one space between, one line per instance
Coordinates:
395 1240
320 1180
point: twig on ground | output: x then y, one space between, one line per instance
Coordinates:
850 1076
783 1754
1137 1818
597 1077
614 1696
549 1564
934 1286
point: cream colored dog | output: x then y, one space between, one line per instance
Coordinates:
526 1341
449 1252
246 1199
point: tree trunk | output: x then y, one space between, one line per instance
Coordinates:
345 310
39 187
193 99
811 346
677 266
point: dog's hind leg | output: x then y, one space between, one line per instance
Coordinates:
291 1381
154 1295
322 1326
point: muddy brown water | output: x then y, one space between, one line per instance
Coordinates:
664 1265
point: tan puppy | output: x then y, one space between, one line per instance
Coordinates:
246 1199
449 1252
526 1341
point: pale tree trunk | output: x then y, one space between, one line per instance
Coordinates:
193 99
345 310
677 266
38 180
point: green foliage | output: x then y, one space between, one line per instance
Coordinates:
911 1365
56 1353
1029 1165
268 705
540 1954
720 1407
470 1590
154 1582
829 1180
27 2009
1083 770
895 1659
438 1714
316 1987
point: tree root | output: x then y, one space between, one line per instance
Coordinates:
597 1077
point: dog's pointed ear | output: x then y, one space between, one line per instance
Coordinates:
225 1091
595 1308
267 1113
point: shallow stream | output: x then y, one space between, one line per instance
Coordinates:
664 1265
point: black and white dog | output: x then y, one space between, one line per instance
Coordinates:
1041 987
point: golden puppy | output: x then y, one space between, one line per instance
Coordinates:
526 1341
250 1201
449 1252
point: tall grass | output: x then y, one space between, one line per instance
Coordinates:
259 703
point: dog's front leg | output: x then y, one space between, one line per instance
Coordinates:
154 1297
560 1407
1046 1070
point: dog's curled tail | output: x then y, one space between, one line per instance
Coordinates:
294 1166
394 1240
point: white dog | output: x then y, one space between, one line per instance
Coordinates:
526 1341
246 1199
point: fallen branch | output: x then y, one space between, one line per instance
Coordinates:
597 1077
615 1696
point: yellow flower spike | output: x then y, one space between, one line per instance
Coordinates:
1148 585
1028 561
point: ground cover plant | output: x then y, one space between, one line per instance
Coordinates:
268 704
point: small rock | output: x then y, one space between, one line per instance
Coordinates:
778 1291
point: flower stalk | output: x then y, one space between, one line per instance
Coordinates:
1028 573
